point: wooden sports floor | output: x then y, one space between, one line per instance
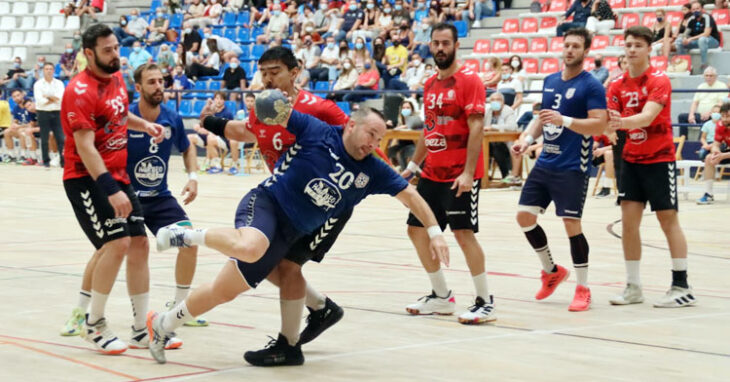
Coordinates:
373 272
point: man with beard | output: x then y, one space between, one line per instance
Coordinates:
573 110
95 121
451 145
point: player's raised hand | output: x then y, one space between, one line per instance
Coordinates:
439 249
463 183
155 130
207 111
190 191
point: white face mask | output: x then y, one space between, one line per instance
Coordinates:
416 62
347 65
515 63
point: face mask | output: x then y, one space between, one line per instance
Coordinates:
495 105
371 6
234 65
659 19
416 62
16 65
347 65
386 10
421 5
406 112
124 66
69 51
353 7
137 49
77 37
396 42
323 6
398 7
309 29
331 45
159 15
487 66
164 71
715 116
367 66
599 63
697 14
358 45
132 17
123 22
515 63
277 13
506 76
207 35
188 30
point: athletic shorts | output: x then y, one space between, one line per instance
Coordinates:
259 211
457 213
315 245
221 140
96 215
655 183
567 189
161 211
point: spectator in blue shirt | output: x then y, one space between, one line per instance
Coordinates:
139 56
600 71
580 9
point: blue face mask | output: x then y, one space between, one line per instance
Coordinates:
406 112
331 45
159 15
132 17
716 116
137 49
495 105
506 76
69 51
421 5
323 6
16 65
234 65
386 10
277 13
371 6
207 35
358 45
188 30
367 66
398 7
353 7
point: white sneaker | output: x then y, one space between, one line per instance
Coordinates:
75 324
171 236
480 312
476 24
102 337
631 295
157 335
676 297
141 340
433 304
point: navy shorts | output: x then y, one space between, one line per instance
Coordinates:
566 188
258 210
161 211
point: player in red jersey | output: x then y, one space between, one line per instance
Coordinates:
640 102
451 145
95 119
719 153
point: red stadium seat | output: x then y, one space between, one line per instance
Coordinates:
648 19
548 22
500 45
589 64
677 3
618 41
519 45
538 45
558 6
615 4
659 62
657 3
549 65
721 16
511 26
637 4
674 18
599 43
629 20
610 63
529 25
482 46
472 64
556 44
530 65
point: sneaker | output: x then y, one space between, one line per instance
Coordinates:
433 304
676 297
157 335
55 162
476 24
232 171
480 312
706 199
550 282
75 324
581 300
197 322
102 337
277 352
604 193
214 170
140 340
320 320
632 295
30 162
171 236
7 159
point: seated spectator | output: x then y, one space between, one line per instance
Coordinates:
166 58
492 73
662 30
346 80
191 39
369 27
350 22
303 77
623 66
309 30
395 60
510 87
428 73
602 18
367 80
80 62
310 54
603 154
173 6
134 30
216 147
719 153
518 71
234 78
477 9
322 17
501 117
208 65
213 11
378 55
345 51
422 38
89 7
702 104
401 13
67 61
401 152
278 28
17 77
420 12
580 9
361 52
302 19
180 81
128 76
405 34
76 41
158 28
328 61
227 48
195 14
139 56
707 133
701 32
237 155
37 71
527 117
385 20
413 76
600 71
25 125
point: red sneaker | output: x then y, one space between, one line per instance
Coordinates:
550 281
582 300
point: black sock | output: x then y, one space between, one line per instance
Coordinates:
537 239
679 278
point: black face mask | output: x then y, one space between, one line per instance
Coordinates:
599 63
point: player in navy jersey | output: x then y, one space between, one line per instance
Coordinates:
328 170
573 110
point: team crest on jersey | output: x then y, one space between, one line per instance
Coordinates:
451 95
323 193
168 132
361 181
262 133
570 93
150 171
436 142
638 136
643 90
552 132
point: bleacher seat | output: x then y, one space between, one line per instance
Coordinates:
214 85
20 51
530 65
538 45
617 4
40 8
345 106
721 16
657 3
246 66
20 8
321 88
618 41
257 31
231 106
55 8
244 36
27 22
124 51
154 4
4 35
482 46
556 45
519 45
42 23
199 85
599 43
461 28
4 8
73 23
230 33
218 32
511 26
628 20
535 85
257 51
558 6
677 3
548 22
186 108
6 54
529 25
229 19
648 19
472 64
57 22
198 106
245 53
7 23
16 38
171 104
176 21
637 3
659 62
500 45
549 65
31 38
243 18
674 18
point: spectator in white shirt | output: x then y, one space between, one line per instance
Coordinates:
413 76
48 92
228 48
511 87
500 117
278 27
135 29
329 59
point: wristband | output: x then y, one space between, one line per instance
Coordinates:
215 125
413 167
107 184
434 231
529 139
567 121
192 176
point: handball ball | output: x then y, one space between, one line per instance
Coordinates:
272 107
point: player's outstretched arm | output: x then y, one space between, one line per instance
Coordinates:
418 206
595 124
645 118
138 124
236 130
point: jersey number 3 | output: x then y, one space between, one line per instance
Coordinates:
556 105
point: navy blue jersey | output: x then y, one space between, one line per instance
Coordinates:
23 116
225 113
147 160
316 179
564 149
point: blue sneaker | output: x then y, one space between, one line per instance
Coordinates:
214 170
706 199
232 171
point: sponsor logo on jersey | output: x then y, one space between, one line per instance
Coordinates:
361 181
323 193
570 93
115 143
552 132
136 135
150 171
638 136
435 142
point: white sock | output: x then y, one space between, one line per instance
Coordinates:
480 285
606 182
84 299
196 236
181 292
314 299
98 302
581 274
140 306
176 317
708 186
438 283
632 272
291 319
679 264
546 259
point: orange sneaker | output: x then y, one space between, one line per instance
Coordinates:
550 281
582 300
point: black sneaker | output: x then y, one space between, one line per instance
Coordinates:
320 320
604 193
277 352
